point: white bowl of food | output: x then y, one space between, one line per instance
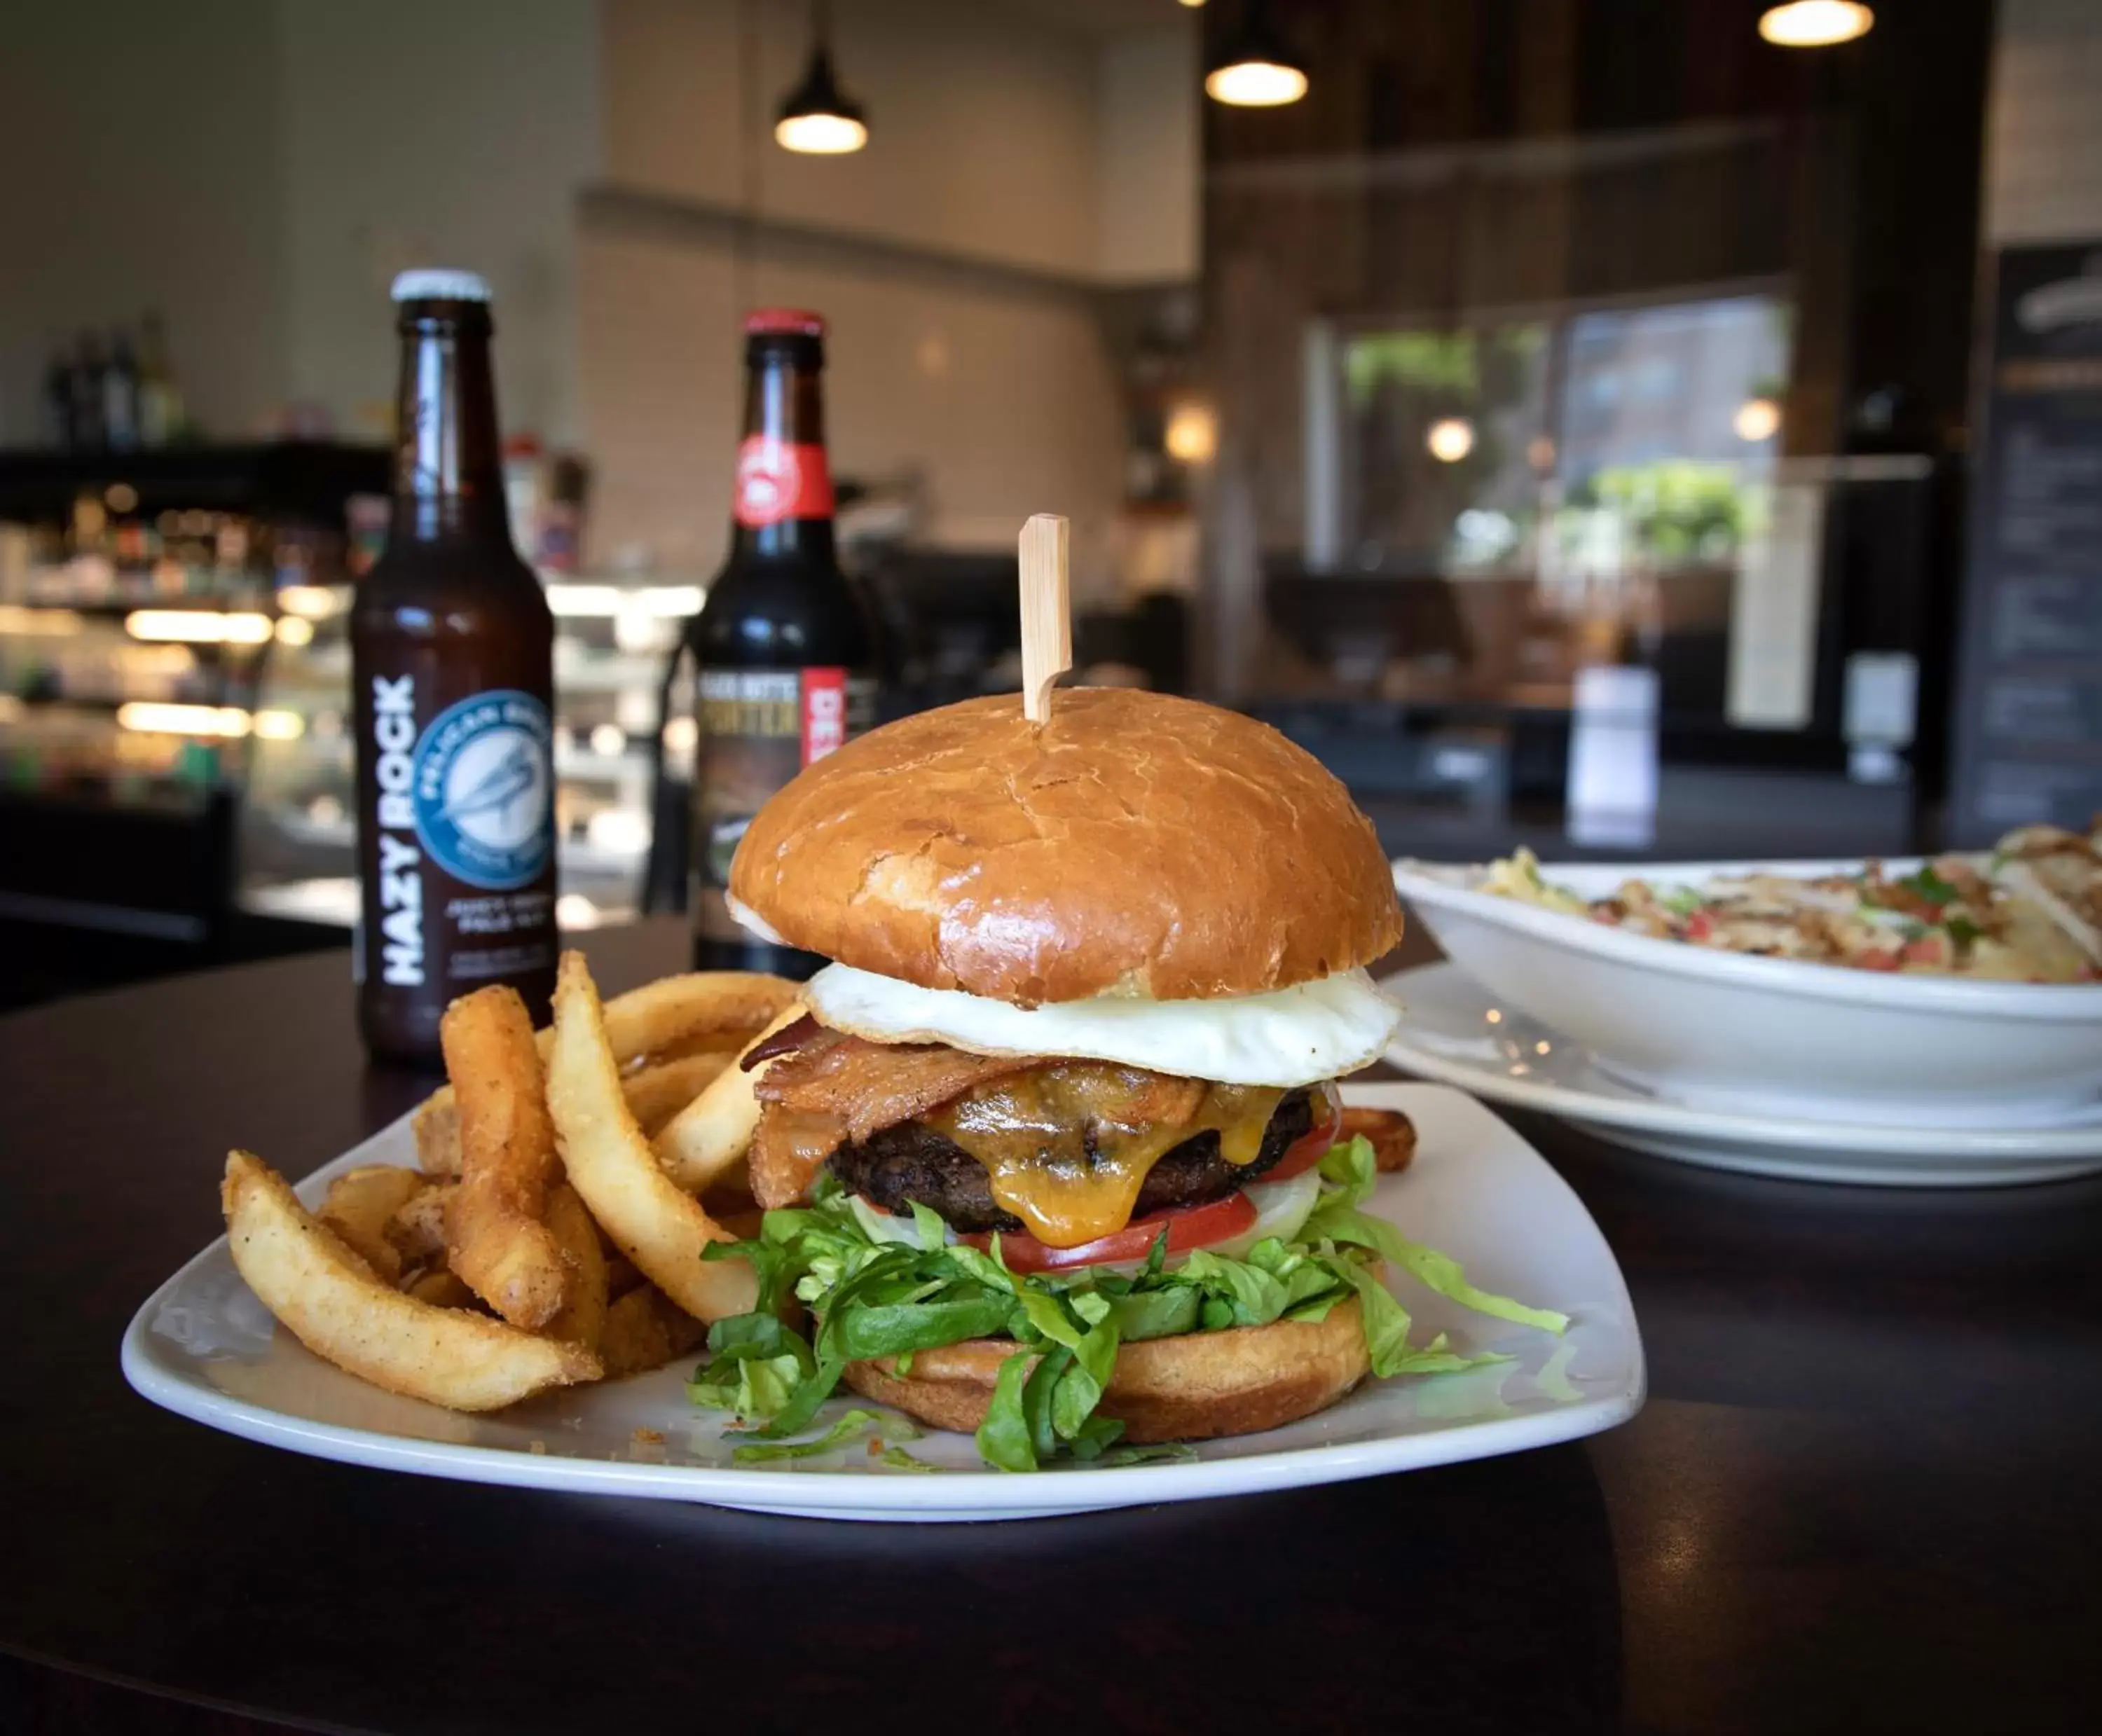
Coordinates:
1962 991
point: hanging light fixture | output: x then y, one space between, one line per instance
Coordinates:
1756 419
1450 439
1815 23
1254 69
817 117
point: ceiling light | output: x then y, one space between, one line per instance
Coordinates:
1254 69
200 627
315 602
821 135
1451 439
1192 435
153 718
1757 419
1815 23
278 726
817 119
56 622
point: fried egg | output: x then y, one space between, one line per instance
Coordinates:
1288 1038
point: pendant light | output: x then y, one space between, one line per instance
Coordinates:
1815 23
1254 69
817 118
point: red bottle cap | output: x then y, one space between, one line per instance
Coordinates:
786 321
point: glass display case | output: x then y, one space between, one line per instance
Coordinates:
176 765
296 842
144 596
141 598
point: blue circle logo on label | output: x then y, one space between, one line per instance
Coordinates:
481 786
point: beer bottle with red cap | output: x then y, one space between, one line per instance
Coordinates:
783 652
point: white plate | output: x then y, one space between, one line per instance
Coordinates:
203 1347
1455 1031
1756 1036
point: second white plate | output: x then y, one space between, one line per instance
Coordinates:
1454 1031
203 1346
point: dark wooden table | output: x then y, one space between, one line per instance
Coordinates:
1866 1494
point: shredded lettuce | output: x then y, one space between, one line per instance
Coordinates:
1166 1452
1336 1218
838 1435
902 1287
1553 1381
1002 1436
898 1459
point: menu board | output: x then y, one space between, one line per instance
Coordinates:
2029 662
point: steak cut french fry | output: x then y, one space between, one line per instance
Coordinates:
1390 1134
441 1289
644 1329
702 1145
582 1318
667 1020
496 1233
416 1229
330 1299
655 1091
436 1126
360 1203
661 1229
659 1092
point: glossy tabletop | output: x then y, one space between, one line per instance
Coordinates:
1866 1494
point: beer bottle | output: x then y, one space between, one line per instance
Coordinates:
783 653
452 672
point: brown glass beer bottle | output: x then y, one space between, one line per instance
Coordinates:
452 671
784 657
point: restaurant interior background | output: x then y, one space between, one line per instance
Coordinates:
1565 419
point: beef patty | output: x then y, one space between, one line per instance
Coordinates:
912 1162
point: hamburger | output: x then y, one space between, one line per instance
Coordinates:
1053 1156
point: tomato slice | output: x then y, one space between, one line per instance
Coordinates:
1309 1148
1188 1227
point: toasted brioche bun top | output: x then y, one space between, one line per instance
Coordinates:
1136 844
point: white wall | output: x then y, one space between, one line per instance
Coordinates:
421 133
137 170
995 387
999 399
257 169
1149 167
2044 126
982 134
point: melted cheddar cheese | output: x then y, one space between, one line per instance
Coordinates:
1069 1147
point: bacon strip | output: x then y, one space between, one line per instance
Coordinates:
790 1038
872 1086
833 1088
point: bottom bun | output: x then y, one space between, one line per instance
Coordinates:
1194 1388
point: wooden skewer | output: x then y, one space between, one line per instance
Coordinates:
1047 613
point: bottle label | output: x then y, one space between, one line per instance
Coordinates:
777 479
758 727
480 788
460 831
